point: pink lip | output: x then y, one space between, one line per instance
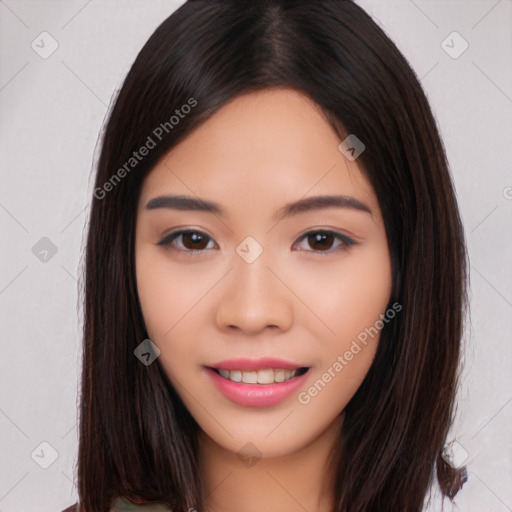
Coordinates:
256 395
255 364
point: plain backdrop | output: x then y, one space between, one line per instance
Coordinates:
51 111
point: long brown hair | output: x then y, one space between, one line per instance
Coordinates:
136 438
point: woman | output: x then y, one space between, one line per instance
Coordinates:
275 273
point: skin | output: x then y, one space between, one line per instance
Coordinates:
294 302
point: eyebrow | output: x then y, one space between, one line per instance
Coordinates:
182 202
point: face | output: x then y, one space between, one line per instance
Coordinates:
267 318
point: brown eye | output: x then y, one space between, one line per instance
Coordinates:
322 241
193 240
190 240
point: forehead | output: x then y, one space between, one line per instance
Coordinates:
256 148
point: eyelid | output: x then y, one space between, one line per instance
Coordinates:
346 241
167 239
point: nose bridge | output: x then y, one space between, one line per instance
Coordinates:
253 297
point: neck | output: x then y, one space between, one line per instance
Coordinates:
299 481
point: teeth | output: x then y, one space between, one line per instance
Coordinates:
279 375
235 375
250 377
265 376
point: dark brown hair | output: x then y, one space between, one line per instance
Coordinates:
136 437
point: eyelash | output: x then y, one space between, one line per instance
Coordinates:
346 242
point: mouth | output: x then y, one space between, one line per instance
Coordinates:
257 382
264 376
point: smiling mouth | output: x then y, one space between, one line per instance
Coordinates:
263 376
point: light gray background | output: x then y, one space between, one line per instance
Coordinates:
51 112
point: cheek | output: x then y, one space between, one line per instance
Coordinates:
155 297
350 296
359 295
165 294
349 299
170 299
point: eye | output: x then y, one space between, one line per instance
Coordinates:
195 242
322 241
192 241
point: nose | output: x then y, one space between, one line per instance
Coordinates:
254 297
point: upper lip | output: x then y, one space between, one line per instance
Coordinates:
256 364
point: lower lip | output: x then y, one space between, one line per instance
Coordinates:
256 395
